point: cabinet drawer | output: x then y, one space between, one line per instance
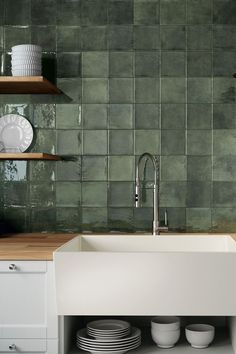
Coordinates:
23 267
23 346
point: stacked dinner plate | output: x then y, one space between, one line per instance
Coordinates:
108 337
26 60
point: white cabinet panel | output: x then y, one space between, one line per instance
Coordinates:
23 345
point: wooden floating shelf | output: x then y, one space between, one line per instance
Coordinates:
27 85
28 156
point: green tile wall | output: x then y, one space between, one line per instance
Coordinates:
142 75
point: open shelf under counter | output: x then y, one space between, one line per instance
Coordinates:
27 85
29 156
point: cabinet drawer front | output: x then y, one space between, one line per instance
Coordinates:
23 346
23 266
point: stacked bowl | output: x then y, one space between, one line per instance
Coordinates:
26 60
165 331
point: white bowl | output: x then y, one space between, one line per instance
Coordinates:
26 47
165 323
26 67
165 339
26 73
199 335
26 60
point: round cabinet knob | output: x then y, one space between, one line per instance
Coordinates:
12 347
12 267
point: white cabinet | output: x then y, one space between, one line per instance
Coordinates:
28 319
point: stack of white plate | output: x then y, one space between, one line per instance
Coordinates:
26 60
108 337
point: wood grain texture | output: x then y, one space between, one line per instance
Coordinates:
26 85
28 156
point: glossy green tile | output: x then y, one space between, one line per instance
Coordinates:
69 65
199 90
173 90
43 12
69 170
147 90
42 194
120 37
121 116
223 219
15 193
224 194
121 64
173 12
69 13
121 168
173 63
147 141
44 115
224 168
173 168
94 38
45 141
176 218
72 88
172 142
121 142
198 219
224 38
15 35
95 116
121 194
120 219
93 12
220 137
199 168
199 142
173 37
95 90
199 116
68 116
224 116
199 64
69 142
17 12
198 194
3 57
68 219
95 64
121 90
68 194
199 37
147 64
45 36
224 12
2 12
147 116
94 219
173 116
42 170
224 63
199 11
224 90
94 194
146 12
146 37
120 12
143 218
172 194
43 220
95 142
14 170
15 219
94 168
68 39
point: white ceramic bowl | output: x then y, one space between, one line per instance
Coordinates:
165 323
200 335
165 339
26 47
27 67
26 73
26 61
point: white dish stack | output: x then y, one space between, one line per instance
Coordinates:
26 60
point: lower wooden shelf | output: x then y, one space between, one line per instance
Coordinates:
29 156
27 85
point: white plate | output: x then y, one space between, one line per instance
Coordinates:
16 133
110 343
108 325
108 350
82 335
110 346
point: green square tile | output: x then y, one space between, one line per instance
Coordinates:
121 168
173 63
199 11
147 64
95 64
224 12
173 168
173 90
223 219
220 137
42 170
147 116
120 37
45 36
121 116
42 194
121 90
4 59
69 65
173 116
198 219
15 194
147 90
95 142
68 219
173 12
224 168
224 116
176 218
16 35
94 194
44 115
95 90
69 142
43 12
69 13
120 12
68 194
14 170
199 142
173 142
93 12
199 90
68 116
45 141
94 219
121 64
199 64
173 37
224 90
143 218
146 12
71 88
94 116
198 194
224 38
199 116
43 219
121 142
147 141
120 219
173 194
199 37
94 168
17 220
2 12
17 12
69 170
94 38
121 194
224 63
224 194
68 39
146 37
199 168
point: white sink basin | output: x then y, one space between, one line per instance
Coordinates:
146 275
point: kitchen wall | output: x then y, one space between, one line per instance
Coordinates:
142 75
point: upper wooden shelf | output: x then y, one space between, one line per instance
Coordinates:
28 156
27 84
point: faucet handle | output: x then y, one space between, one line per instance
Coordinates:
166 218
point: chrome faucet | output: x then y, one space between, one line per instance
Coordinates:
156 188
